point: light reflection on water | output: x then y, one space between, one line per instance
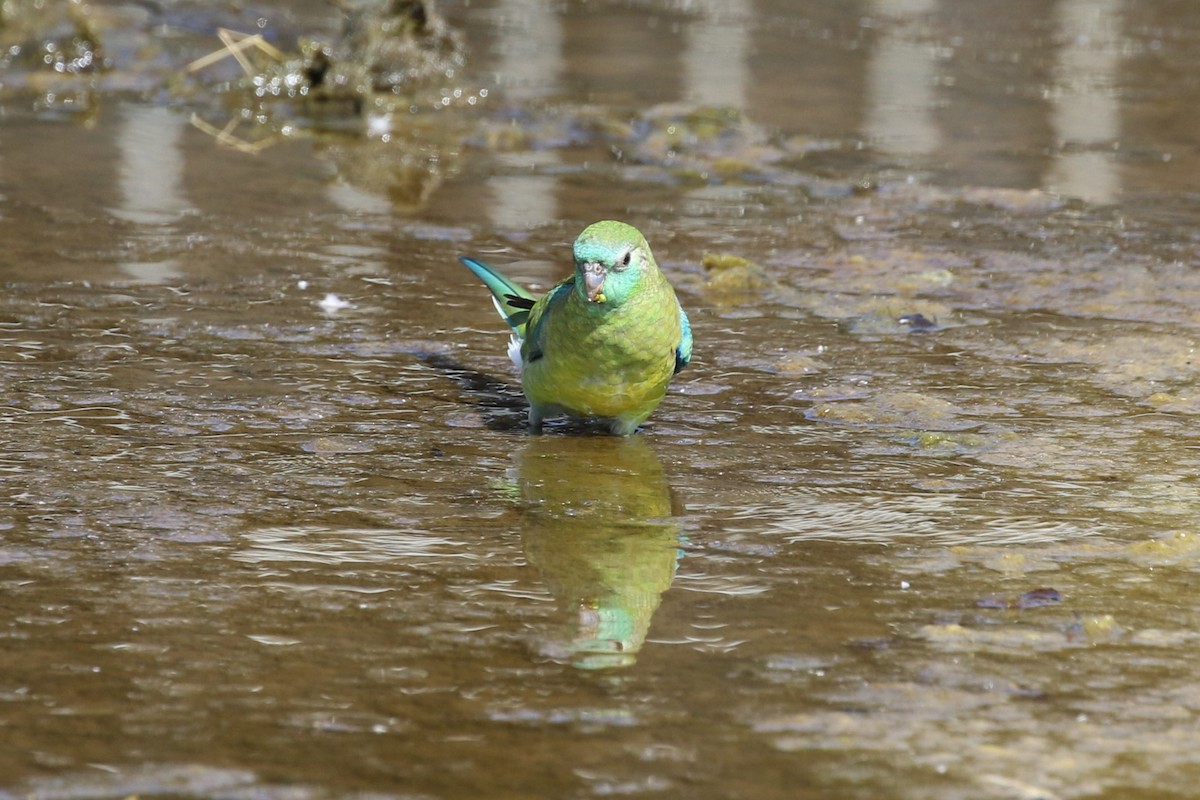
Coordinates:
1086 111
346 546
901 95
847 515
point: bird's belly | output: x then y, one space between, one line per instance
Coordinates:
592 390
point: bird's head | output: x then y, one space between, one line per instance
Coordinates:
610 259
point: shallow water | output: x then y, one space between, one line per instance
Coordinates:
917 522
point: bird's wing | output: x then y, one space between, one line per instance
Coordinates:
535 331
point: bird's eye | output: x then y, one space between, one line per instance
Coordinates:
625 260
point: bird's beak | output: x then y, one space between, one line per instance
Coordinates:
593 281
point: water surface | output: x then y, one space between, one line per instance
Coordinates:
917 522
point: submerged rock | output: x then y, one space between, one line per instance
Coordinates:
390 47
732 273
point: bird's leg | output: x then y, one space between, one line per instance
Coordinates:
536 414
624 426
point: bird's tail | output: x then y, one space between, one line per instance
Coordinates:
511 300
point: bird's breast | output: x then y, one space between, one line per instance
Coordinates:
605 364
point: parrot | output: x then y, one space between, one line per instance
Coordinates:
605 342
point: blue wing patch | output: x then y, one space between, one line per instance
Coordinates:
683 352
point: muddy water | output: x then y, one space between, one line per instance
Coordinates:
918 522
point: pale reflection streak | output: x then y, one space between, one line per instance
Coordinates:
715 61
1084 113
1084 108
530 37
901 81
351 198
150 181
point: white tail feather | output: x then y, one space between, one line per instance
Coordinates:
514 350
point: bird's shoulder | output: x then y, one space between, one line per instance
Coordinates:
550 301
547 305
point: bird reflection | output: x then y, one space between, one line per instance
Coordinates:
598 526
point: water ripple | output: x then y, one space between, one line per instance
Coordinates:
345 546
850 515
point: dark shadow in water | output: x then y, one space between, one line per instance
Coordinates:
502 403
598 525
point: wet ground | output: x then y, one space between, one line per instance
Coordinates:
918 522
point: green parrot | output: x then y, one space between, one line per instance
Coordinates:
602 344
